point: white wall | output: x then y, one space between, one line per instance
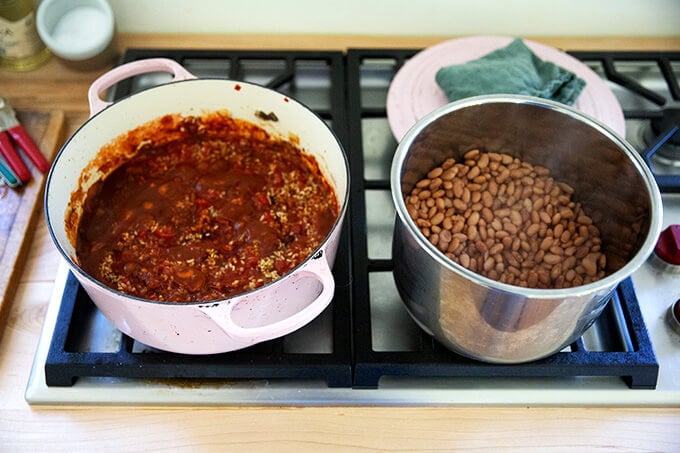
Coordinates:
403 17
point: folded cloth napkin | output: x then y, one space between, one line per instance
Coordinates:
513 69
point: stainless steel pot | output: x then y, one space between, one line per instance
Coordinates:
496 322
268 312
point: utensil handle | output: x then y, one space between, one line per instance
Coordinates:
317 269
127 70
11 155
31 150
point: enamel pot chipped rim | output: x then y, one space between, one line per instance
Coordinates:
270 311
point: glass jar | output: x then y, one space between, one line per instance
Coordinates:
20 46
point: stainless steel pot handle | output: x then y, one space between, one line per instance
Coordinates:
229 315
127 70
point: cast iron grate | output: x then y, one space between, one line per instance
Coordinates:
270 360
70 356
668 66
352 92
627 354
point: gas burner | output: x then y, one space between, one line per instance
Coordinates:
664 123
663 132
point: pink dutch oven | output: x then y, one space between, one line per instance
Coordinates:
268 312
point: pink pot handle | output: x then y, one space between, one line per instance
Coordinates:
317 268
127 70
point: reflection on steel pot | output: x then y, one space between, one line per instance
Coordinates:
269 311
486 319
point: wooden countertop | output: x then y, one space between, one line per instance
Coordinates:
72 428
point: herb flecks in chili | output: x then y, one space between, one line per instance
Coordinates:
209 207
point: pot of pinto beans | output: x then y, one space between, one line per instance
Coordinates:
516 219
203 215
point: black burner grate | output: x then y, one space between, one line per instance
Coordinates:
628 352
659 108
352 99
76 352
270 360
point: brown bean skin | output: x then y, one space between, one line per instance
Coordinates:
437 218
459 204
533 229
435 173
508 220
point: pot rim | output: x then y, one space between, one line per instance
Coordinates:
121 104
605 284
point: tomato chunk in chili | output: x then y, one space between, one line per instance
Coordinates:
208 207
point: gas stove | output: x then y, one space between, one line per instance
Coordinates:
365 349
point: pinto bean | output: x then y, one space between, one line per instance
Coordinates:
508 220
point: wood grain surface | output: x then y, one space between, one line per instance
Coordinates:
19 207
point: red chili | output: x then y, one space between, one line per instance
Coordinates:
209 207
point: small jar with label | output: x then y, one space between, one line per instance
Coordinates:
21 48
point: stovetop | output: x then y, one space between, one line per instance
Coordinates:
365 349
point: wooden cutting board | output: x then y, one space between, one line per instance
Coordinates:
20 208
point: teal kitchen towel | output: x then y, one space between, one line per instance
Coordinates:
513 69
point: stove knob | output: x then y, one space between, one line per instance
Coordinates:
673 316
667 250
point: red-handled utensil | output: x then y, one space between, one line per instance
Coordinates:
16 164
13 133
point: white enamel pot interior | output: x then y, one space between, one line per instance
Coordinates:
268 312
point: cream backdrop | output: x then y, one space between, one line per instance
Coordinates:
403 17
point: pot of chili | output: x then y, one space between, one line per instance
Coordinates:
201 216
